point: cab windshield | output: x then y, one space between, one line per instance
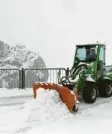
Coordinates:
86 53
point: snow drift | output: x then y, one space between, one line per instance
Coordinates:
47 107
48 115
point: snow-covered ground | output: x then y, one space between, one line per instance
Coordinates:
21 114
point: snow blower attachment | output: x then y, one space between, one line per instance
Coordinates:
68 97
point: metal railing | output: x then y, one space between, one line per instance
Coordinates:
51 75
10 78
23 78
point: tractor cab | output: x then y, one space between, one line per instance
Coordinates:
86 53
92 54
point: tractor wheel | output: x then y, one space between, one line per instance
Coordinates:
89 93
105 89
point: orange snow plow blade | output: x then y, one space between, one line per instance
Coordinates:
65 94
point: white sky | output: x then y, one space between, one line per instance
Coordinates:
52 28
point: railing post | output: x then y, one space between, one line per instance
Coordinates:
67 71
20 79
23 78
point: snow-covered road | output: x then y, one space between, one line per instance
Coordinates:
14 100
20 113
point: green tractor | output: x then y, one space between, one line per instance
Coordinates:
89 74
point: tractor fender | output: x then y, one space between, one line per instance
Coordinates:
107 78
90 79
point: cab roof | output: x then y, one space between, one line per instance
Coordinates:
90 45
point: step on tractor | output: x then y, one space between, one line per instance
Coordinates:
88 77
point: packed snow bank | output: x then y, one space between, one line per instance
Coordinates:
96 120
46 108
48 115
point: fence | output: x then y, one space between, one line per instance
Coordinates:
15 78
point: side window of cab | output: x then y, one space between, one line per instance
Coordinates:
101 61
101 54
